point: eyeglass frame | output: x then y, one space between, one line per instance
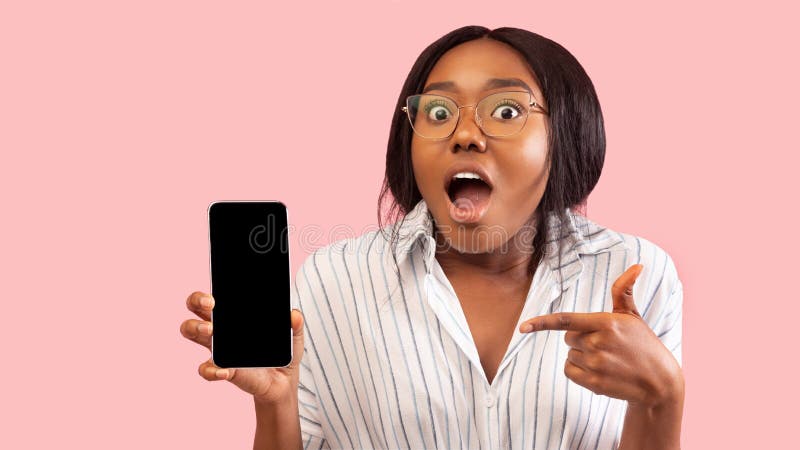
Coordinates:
532 106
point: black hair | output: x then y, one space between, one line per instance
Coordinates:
575 133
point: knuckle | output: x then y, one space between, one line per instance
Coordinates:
593 342
615 328
571 354
563 321
595 362
571 371
600 386
607 320
593 384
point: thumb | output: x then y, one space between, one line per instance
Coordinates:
298 342
622 291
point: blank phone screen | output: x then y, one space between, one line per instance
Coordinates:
250 284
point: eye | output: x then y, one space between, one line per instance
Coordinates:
507 110
437 111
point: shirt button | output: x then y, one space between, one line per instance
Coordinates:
491 400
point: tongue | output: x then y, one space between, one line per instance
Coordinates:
474 192
470 200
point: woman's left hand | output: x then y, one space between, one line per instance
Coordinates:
616 354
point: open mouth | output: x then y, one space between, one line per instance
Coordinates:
469 196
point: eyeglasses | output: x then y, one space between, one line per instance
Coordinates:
498 115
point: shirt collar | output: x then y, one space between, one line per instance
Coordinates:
579 236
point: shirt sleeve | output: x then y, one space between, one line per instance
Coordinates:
308 405
666 312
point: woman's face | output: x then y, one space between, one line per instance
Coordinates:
515 165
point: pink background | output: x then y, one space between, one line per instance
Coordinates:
121 121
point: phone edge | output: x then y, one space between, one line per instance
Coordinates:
289 281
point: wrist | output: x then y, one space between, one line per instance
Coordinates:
652 427
666 394
667 402
655 424
277 424
272 402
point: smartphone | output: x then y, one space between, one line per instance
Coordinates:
251 318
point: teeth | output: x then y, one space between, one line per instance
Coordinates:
472 175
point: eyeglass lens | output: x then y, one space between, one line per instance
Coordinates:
500 114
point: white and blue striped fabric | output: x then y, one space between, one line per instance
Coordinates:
390 362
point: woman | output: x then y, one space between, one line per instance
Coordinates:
492 315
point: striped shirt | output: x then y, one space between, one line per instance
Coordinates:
390 362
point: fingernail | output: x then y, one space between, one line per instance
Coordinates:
222 373
204 328
206 302
527 327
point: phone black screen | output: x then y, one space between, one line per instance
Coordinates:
250 280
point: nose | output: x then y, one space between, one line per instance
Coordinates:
468 135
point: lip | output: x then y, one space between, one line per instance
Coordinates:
467 166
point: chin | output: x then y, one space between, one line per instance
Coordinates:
482 237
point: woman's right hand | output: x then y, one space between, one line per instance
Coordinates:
269 386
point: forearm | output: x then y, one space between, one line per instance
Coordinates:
277 426
653 428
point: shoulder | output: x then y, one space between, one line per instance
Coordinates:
646 252
658 263
658 289
626 248
327 269
343 254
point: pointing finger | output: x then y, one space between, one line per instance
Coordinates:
566 321
622 290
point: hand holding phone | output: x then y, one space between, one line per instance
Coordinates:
250 283
270 386
266 384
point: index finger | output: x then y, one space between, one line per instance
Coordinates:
201 304
583 322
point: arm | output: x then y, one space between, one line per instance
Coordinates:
277 425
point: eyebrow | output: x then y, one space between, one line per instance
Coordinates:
492 83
